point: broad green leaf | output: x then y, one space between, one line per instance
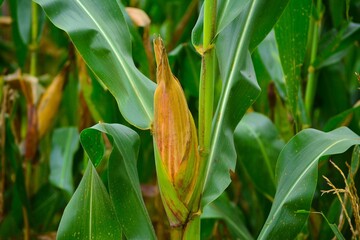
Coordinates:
227 11
291 35
268 13
239 91
340 119
223 209
258 144
101 35
296 176
123 181
335 44
24 19
20 47
65 142
90 213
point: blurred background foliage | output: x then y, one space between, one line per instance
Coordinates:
48 96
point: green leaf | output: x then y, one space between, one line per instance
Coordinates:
223 209
336 10
239 83
340 119
123 182
269 54
291 35
101 35
227 11
65 142
296 174
90 213
44 205
258 144
335 44
95 95
332 215
21 47
24 19
332 226
268 13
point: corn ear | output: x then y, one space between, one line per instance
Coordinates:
50 101
174 131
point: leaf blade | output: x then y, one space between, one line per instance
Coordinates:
258 144
296 175
90 213
239 81
291 36
109 41
124 186
222 208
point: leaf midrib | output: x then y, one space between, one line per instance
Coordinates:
122 63
296 182
226 97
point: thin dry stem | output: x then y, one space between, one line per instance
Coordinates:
182 24
350 193
2 151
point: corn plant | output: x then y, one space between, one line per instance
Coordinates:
237 131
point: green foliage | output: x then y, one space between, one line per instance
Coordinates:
258 144
282 98
61 158
105 31
296 177
90 213
294 26
222 209
123 182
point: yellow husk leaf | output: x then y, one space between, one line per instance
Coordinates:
174 129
